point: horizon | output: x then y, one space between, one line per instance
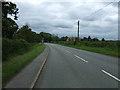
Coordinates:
56 18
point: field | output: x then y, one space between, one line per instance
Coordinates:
104 47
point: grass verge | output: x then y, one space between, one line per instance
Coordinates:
14 65
101 50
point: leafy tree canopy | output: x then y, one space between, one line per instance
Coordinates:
27 34
46 36
9 8
9 26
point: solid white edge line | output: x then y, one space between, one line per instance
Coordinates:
81 58
111 75
37 76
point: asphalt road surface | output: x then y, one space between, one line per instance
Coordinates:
72 68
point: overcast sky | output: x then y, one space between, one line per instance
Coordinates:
61 18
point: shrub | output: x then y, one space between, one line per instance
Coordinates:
10 47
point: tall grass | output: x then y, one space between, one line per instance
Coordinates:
103 47
14 65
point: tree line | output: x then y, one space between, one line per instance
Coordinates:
17 40
11 30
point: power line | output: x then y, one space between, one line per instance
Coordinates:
95 13
100 9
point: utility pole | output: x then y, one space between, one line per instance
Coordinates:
57 37
78 30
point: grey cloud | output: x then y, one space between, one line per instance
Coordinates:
61 18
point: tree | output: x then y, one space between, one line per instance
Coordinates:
46 36
27 34
9 8
95 39
84 39
55 38
103 39
9 26
63 38
89 38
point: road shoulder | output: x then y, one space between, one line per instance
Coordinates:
25 78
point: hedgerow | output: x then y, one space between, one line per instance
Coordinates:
11 47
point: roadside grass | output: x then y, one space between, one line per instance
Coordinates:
0 73
101 50
15 64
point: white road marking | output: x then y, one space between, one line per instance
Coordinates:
39 72
111 75
67 51
81 58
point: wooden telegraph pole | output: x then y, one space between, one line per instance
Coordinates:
78 30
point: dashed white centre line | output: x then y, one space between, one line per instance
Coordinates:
111 75
81 58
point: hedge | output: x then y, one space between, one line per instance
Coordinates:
11 47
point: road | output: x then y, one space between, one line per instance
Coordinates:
72 68
64 67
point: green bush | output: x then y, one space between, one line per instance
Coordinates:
11 47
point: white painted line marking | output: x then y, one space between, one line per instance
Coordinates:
111 75
39 72
81 58
67 51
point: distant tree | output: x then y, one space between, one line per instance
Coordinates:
84 39
103 39
89 38
55 38
46 36
27 34
95 39
63 38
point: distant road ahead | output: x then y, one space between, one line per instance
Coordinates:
72 68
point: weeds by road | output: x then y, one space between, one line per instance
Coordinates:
107 48
15 64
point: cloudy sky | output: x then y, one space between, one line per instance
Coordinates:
60 18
